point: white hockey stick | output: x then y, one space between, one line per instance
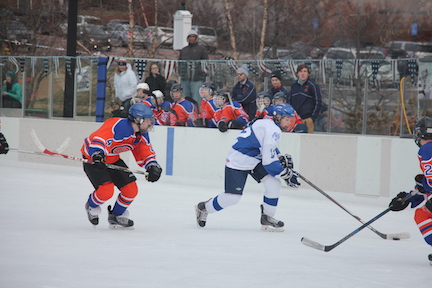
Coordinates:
46 152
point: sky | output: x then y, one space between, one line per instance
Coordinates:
46 240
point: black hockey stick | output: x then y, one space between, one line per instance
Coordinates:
395 236
327 248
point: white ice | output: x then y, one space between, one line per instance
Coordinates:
46 240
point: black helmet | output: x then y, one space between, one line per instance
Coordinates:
176 87
206 89
221 97
423 130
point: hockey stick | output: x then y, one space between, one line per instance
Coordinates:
395 236
327 248
47 152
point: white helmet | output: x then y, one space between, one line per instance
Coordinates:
143 86
158 94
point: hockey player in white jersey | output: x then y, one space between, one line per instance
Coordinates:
255 153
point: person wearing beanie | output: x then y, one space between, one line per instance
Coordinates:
244 92
190 70
11 91
276 81
125 83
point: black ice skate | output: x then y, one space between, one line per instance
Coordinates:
119 222
201 214
430 259
92 214
269 224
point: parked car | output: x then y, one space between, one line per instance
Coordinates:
414 49
120 35
94 37
385 76
82 20
15 31
165 35
114 23
207 37
281 53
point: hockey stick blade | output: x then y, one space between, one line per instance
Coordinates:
327 248
395 236
313 244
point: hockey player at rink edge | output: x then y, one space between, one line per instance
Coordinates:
255 153
115 136
423 183
4 146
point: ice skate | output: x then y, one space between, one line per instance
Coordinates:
269 224
201 214
92 214
119 222
430 259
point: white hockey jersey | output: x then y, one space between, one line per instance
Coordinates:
257 143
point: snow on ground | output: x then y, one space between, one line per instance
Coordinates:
47 241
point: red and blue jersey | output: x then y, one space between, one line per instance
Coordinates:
231 112
185 112
425 159
115 136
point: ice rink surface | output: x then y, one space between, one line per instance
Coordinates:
46 240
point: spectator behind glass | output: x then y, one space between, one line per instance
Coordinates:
244 92
191 73
125 83
118 111
11 91
155 80
305 97
276 81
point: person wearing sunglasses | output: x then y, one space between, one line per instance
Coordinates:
244 92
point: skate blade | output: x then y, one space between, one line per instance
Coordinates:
120 227
268 228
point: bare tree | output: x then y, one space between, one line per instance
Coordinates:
231 29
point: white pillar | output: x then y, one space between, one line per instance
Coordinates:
182 26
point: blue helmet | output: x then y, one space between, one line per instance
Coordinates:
141 111
283 109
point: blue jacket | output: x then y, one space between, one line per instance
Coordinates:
246 96
306 99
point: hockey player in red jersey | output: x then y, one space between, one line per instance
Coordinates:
163 113
102 147
208 107
184 108
255 153
231 115
423 214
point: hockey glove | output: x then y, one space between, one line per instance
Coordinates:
4 146
201 122
293 182
286 161
98 158
154 171
397 203
234 124
419 183
222 126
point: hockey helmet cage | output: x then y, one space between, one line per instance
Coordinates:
263 98
423 130
221 97
207 89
